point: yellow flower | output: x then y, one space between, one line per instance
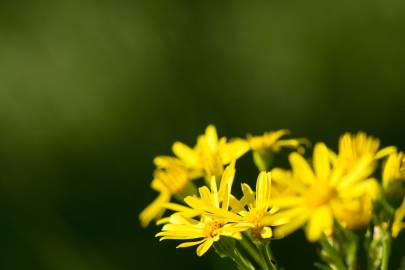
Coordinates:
210 153
271 141
258 216
393 180
398 223
352 147
183 226
252 212
356 212
265 146
205 232
318 195
394 169
170 178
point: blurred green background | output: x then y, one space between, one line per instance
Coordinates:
91 91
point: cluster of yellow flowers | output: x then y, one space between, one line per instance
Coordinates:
315 194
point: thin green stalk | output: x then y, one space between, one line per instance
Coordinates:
386 249
332 254
268 256
253 252
226 247
242 262
387 206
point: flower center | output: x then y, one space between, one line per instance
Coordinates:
318 195
255 216
211 228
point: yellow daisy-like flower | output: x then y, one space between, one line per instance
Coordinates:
170 178
258 216
393 179
206 231
182 226
265 146
210 153
352 147
252 212
398 223
394 169
318 196
206 159
272 141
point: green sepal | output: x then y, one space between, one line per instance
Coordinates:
226 248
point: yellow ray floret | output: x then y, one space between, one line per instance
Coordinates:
399 223
156 208
210 153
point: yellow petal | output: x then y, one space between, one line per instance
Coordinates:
190 244
211 137
203 248
232 230
321 161
195 202
361 170
214 190
368 187
185 153
163 221
166 161
235 204
155 209
232 150
398 224
175 231
263 188
226 185
320 222
158 185
205 194
284 230
385 152
301 168
179 219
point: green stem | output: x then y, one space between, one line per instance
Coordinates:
387 206
332 254
226 248
253 252
268 256
242 262
386 249
351 250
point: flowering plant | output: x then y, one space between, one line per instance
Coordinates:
338 198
